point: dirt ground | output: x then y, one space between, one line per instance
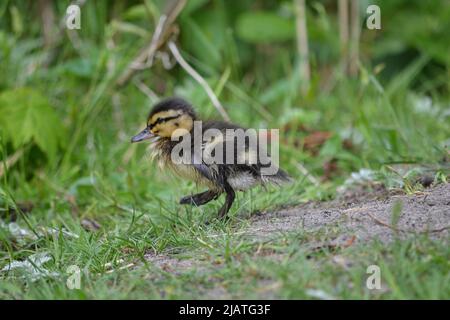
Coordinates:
365 215
358 216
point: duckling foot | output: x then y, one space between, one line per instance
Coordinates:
230 195
200 198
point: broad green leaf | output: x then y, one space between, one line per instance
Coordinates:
264 27
80 67
332 147
17 24
27 116
192 6
195 40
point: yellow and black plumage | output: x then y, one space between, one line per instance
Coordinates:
162 123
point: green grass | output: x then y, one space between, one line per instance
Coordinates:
377 121
231 267
222 263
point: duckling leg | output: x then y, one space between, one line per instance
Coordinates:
230 195
200 198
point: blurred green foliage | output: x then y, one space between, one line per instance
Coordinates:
264 27
247 51
27 116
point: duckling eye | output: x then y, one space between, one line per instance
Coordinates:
176 124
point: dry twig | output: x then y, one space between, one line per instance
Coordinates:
343 32
387 225
10 161
355 35
164 29
307 174
146 90
302 44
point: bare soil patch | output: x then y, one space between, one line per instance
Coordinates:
359 217
365 216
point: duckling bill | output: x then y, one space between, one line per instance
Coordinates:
173 119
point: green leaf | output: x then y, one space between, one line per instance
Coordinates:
332 147
80 67
17 24
264 27
196 40
192 6
26 116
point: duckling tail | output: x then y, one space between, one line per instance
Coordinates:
280 178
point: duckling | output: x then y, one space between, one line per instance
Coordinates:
174 119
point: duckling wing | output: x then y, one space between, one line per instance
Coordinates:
210 172
237 162
249 158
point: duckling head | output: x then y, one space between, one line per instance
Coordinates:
169 118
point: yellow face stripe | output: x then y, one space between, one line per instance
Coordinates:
163 114
165 123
